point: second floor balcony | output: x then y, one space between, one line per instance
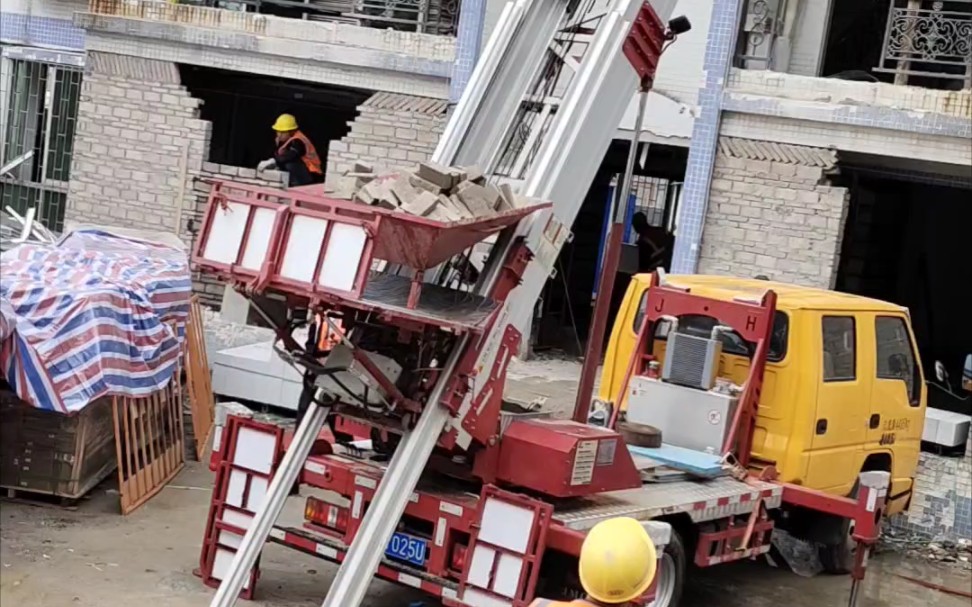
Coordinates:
394 51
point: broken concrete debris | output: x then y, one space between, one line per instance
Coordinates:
434 191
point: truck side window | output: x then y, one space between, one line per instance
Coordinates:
701 326
895 355
839 348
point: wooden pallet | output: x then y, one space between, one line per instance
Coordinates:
201 402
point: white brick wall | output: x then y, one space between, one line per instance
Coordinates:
138 144
385 138
777 219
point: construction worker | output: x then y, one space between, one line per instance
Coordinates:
655 244
617 565
295 154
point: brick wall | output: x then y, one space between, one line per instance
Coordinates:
771 215
207 287
139 154
941 508
391 131
139 144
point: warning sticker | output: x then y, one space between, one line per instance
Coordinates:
605 452
584 458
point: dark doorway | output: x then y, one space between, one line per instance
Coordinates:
566 306
241 108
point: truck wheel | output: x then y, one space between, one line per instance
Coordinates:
838 558
671 574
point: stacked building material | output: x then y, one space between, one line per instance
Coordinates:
434 191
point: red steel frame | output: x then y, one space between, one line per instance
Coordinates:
416 242
536 544
214 521
286 207
752 321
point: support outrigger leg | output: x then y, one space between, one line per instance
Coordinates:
871 500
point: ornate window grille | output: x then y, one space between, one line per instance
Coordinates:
762 25
928 39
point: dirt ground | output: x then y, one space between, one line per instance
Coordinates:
93 557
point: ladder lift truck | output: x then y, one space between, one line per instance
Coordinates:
472 498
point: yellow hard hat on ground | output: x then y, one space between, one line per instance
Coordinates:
285 123
617 561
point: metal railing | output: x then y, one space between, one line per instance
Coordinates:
38 113
422 16
929 40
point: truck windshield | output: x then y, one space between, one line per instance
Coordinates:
732 343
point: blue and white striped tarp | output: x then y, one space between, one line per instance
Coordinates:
97 314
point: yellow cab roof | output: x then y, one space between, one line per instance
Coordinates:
789 296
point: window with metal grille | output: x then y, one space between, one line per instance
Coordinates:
39 104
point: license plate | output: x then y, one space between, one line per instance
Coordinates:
404 547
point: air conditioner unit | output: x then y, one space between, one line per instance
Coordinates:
691 361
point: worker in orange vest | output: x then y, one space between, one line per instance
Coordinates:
295 154
617 565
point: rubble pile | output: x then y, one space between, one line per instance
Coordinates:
958 553
434 191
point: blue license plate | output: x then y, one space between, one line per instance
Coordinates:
404 547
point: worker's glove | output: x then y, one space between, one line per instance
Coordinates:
266 165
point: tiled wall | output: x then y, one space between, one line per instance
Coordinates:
468 43
698 174
16 28
942 504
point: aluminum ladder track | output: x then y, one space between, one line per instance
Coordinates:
569 152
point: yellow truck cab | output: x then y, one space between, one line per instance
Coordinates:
843 390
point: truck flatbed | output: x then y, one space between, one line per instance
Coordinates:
701 499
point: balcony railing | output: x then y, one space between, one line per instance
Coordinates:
928 40
423 16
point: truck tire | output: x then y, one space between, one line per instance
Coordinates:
838 549
838 558
671 573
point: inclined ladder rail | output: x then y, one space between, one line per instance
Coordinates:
569 153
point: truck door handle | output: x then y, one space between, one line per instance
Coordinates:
875 421
821 426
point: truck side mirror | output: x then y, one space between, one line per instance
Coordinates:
967 373
940 372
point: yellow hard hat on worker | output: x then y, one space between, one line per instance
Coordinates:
285 123
617 561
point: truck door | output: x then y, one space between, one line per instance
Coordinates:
896 412
842 406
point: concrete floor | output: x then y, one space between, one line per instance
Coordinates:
93 557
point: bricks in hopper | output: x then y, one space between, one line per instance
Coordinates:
441 176
421 205
404 190
475 175
480 200
424 184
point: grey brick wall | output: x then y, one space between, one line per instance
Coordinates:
779 218
139 154
139 143
391 131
